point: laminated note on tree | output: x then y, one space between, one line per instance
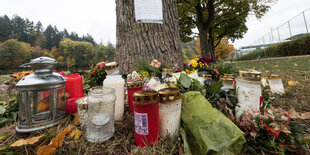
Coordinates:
149 11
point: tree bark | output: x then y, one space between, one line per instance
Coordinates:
147 40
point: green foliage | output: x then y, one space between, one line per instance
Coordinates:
14 53
296 47
187 84
189 50
145 66
224 68
95 77
24 30
8 110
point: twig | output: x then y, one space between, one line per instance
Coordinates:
26 149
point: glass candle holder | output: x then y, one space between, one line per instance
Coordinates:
169 111
146 116
100 121
276 84
82 110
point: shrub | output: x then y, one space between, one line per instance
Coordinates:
300 46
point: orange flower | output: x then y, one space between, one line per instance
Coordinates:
217 72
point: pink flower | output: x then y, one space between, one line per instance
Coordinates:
261 101
155 63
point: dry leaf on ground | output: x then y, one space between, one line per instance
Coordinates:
54 144
45 150
292 83
75 134
295 114
305 115
22 142
76 119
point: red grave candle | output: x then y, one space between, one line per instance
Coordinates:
132 87
74 86
146 114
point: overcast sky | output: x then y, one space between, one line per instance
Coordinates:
97 17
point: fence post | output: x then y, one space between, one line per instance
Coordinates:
305 21
278 34
289 27
272 35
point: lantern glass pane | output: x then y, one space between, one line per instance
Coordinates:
61 98
22 107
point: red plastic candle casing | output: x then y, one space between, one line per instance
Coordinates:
146 114
132 87
74 86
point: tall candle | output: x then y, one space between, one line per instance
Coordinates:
74 86
117 82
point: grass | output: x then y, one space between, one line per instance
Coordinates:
290 69
123 141
4 78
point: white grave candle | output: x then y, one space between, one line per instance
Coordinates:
118 83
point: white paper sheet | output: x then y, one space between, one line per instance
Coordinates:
149 11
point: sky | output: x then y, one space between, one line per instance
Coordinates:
98 18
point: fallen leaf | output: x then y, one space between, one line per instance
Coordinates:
3 148
54 144
61 135
292 83
22 142
45 150
305 115
76 134
278 70
293 113
76 119
295 64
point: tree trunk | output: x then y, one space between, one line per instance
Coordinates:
147 41
204 43
205 28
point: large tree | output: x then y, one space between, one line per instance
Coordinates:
145 40
216 19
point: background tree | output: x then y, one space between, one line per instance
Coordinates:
216 19
5 28
144 40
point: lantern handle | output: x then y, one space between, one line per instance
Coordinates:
24 65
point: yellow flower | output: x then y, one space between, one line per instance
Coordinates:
187 71
193 71
194 62
145 74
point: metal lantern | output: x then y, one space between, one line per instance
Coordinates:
248 85
42 96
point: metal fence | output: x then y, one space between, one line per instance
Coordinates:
300 24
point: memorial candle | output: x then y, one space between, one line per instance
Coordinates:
74 86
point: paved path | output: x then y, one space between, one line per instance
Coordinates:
266 59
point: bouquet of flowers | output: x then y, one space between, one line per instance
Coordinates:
96 76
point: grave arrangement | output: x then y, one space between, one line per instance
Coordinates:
212 107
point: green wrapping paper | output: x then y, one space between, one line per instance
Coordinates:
206 130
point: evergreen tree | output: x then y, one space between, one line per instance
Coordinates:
5 28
